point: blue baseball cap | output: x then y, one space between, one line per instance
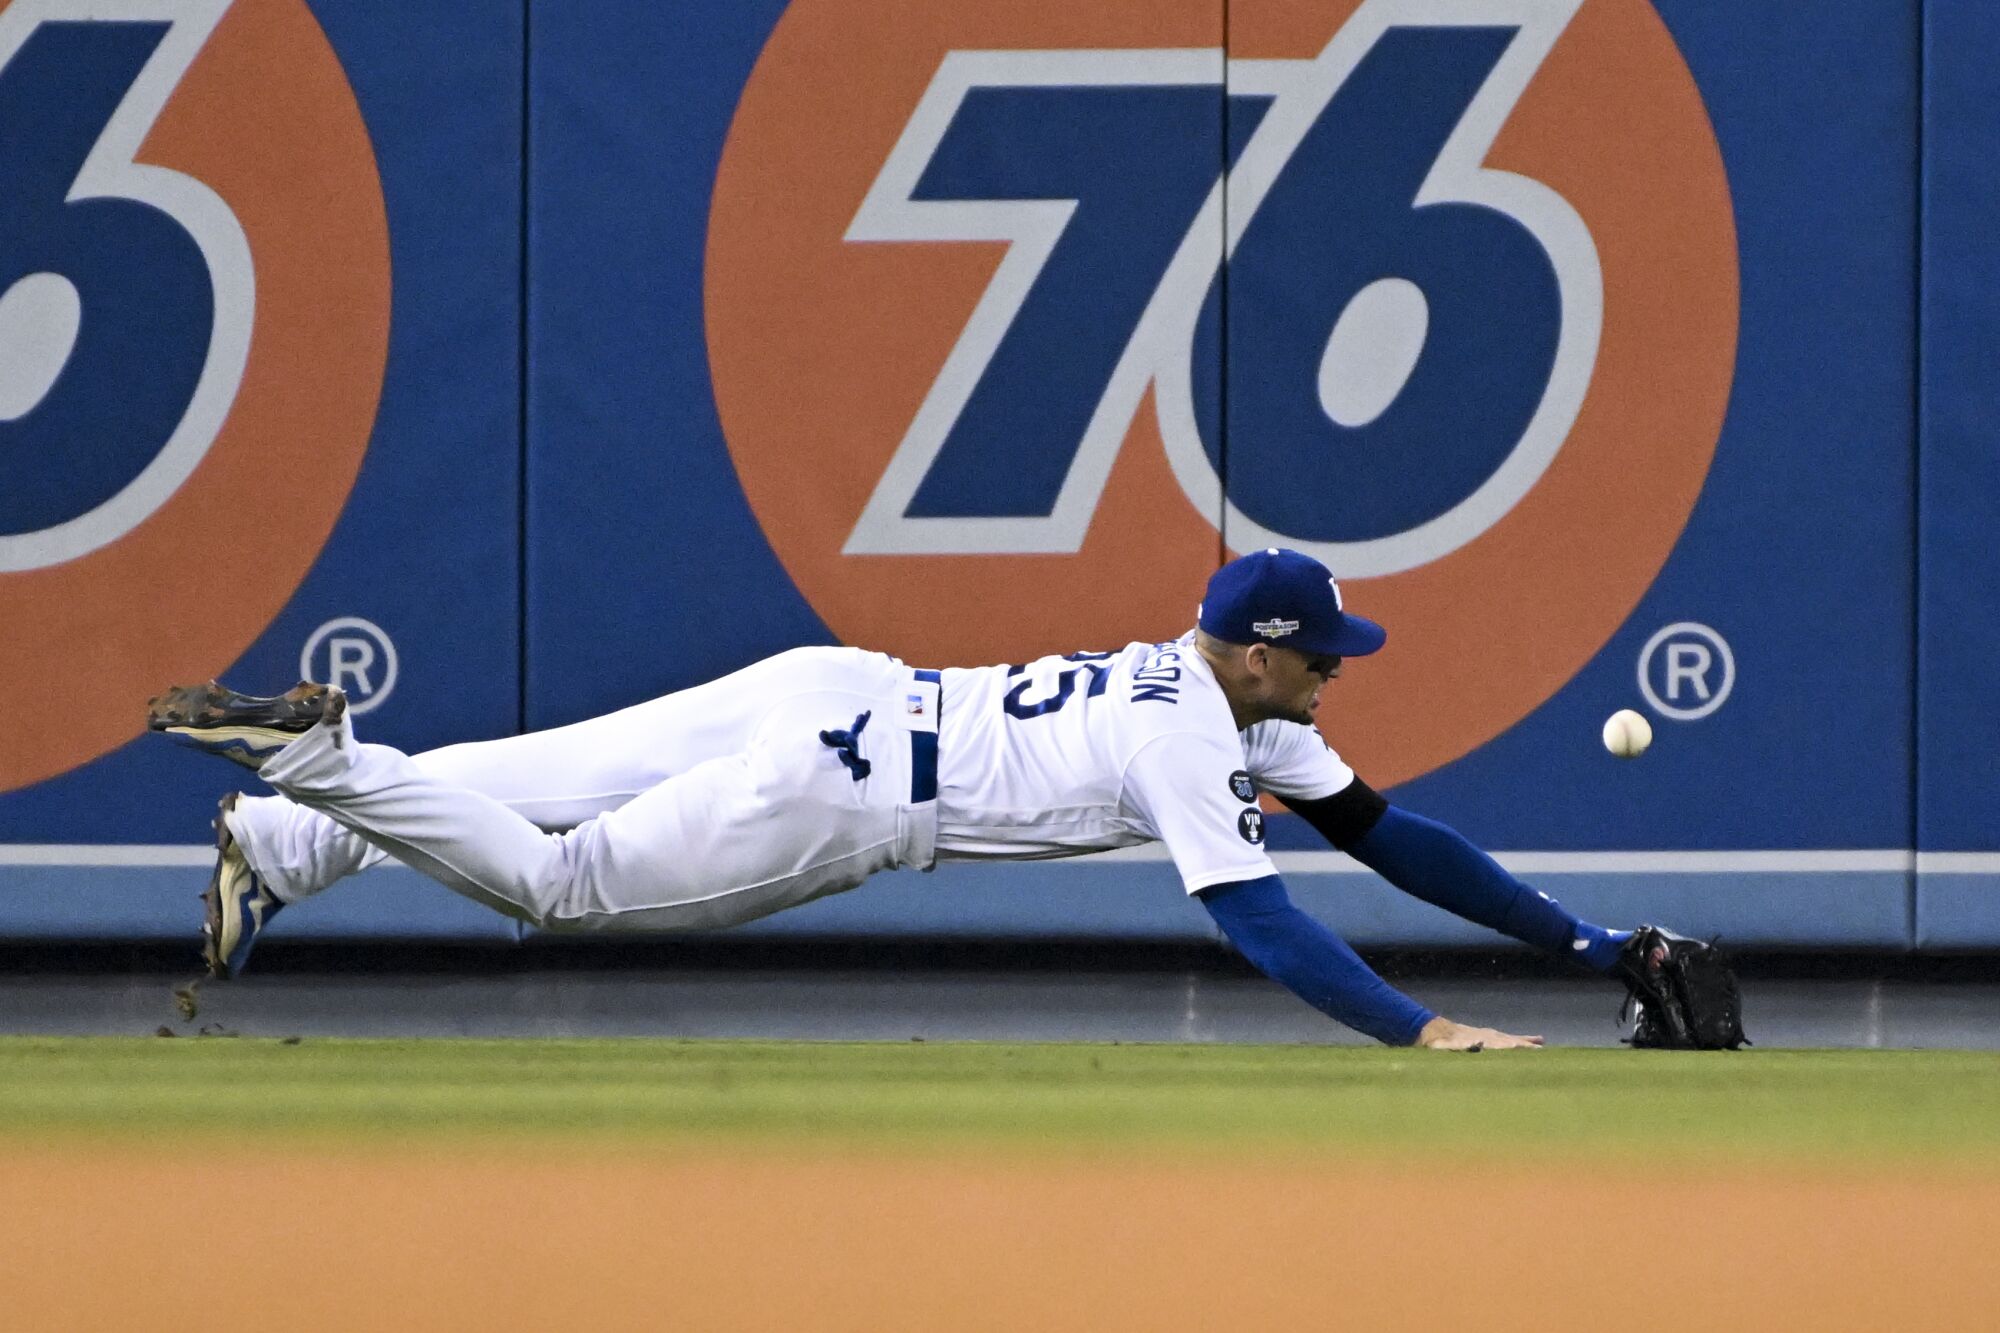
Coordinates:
1285 598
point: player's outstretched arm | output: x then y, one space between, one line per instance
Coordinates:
1436 863
1317 965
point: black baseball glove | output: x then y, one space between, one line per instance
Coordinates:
1683 992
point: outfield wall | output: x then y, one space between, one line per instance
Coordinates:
511 363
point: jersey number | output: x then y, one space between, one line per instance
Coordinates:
1015 703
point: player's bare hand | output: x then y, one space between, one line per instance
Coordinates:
1441 1034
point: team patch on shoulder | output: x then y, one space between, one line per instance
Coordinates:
1251 825
1241 787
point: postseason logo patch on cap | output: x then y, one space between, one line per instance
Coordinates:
1276 629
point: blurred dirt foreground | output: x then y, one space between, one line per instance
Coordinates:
529 1235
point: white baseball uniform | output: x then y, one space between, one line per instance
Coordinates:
725 802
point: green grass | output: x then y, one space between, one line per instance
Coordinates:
1802 1106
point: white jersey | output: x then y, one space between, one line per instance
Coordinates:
1092 751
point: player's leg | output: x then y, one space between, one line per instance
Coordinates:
556 779
825 795
678 728
731 839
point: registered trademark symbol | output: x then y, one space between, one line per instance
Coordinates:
1686 671
353 655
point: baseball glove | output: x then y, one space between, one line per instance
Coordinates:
1682 991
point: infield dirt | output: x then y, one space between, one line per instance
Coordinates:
120 1238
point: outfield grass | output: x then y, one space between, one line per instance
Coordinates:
1788 1105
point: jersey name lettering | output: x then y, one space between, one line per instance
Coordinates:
1156 680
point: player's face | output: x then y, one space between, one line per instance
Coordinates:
1292 683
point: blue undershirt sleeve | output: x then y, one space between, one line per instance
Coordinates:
1431 861
1311 961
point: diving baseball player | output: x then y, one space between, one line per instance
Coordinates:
804 774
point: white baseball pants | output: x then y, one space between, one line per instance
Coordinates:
705 808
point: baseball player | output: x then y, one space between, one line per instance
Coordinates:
805 773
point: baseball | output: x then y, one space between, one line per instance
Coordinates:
1627 734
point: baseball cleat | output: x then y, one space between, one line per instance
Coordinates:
236 906
243 727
